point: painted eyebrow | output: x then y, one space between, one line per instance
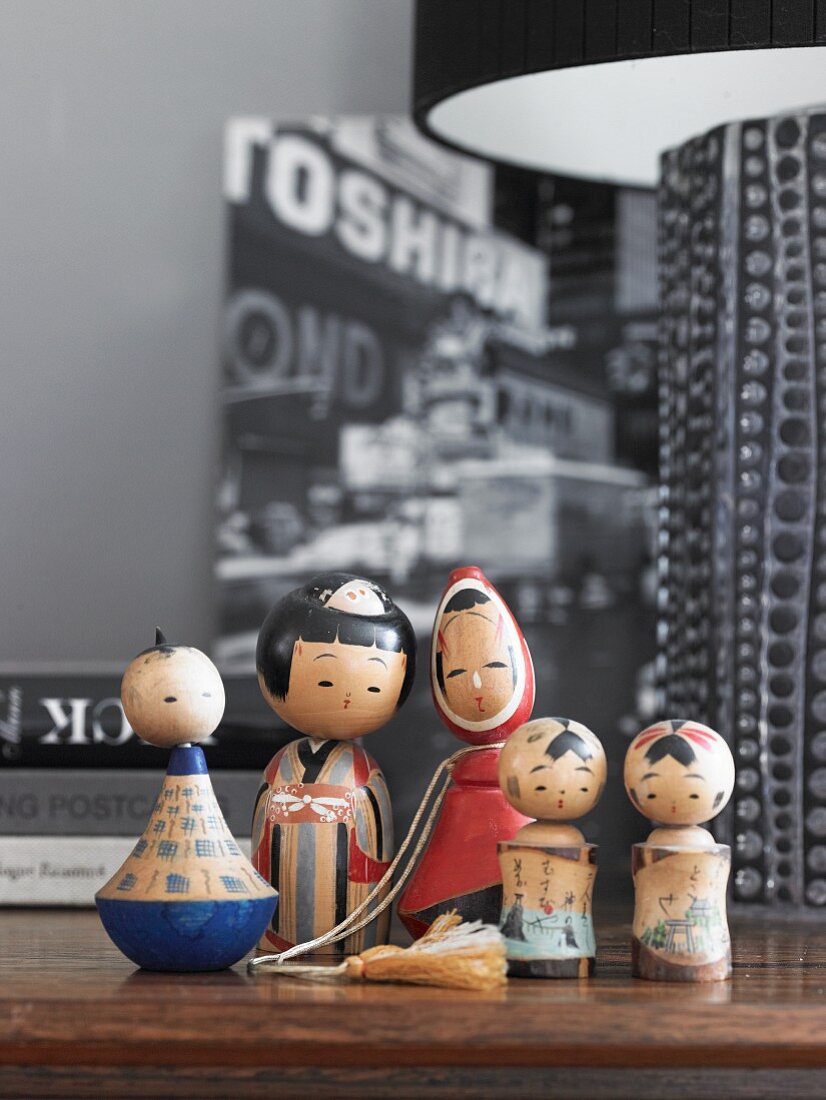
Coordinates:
478 615
584 769
381 662
650 775
318 658
696 775
456 672
538 768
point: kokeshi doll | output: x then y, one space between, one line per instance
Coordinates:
186 898
679 774
483 688
553 769
336 659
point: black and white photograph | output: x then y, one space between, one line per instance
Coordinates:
429 363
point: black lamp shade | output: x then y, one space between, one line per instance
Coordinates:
463 45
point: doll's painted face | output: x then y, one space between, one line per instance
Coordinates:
339 691
553 769
679 773
336 657
478 663
172 694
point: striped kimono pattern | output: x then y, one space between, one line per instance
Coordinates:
322 834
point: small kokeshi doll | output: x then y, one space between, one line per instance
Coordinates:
680 774
553 769
187 898
483 688
336 659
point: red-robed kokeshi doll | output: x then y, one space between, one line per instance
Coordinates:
335 660
483 688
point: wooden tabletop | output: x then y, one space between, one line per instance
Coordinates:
76 1018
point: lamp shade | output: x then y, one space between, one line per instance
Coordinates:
599 88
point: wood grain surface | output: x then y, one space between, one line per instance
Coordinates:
77 1019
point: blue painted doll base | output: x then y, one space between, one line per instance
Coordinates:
185 935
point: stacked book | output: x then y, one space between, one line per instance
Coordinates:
77 786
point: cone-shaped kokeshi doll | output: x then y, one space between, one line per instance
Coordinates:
186 898
335 659
680 774
483 688
554 769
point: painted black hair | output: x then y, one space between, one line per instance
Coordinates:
303 614
568 741
671 745
463 600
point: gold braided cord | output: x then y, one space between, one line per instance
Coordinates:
347 926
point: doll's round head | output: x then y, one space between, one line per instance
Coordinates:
336 658
481 670
172 694
553 769
679 772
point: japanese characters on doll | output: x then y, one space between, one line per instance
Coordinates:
553 769
336 659
186 897
679 774
483 688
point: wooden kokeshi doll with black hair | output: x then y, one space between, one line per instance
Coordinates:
553 769
336 659
482 680
679 774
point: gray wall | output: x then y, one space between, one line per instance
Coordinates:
111 254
